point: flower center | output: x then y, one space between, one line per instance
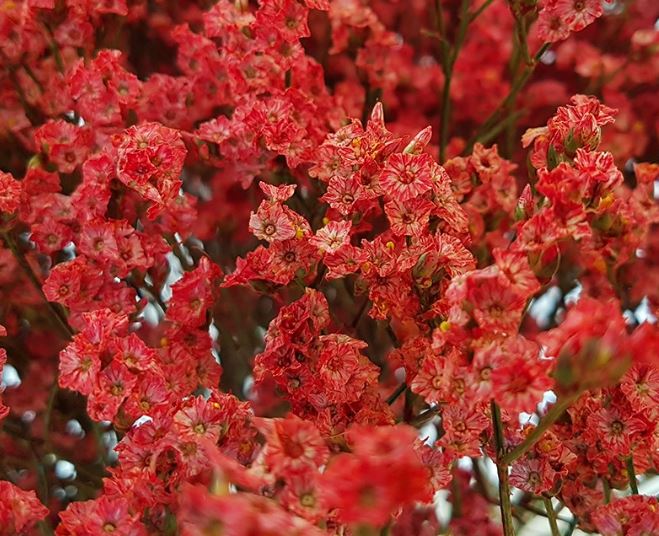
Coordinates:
269 229
486 374
293 449
199 428
534 478
407 177
307 500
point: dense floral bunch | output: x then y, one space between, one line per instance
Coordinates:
299 267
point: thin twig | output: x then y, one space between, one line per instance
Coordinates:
54 389
60 318
399 391
360 314
607 491
480 10
633 484
322 270
178 252
423 418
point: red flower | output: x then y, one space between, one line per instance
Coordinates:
149 160
79 366
616 430
406 176
497 304
272 223
408 218
591 345
100 516
115 383
292 446
579 13
383 474
10 193
302 496
66 145
532 475
379 305
463 426
519 377
433 382
635 515
193 294
331 237
19 510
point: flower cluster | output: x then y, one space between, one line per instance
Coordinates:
304 266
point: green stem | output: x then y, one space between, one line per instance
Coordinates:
551 516
449 58
549 419
320 274
441 32
505 504
538 511
503 124
519 82
633 484
444 118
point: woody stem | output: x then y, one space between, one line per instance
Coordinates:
551 516
505 504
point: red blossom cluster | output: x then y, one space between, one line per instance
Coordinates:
307 267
